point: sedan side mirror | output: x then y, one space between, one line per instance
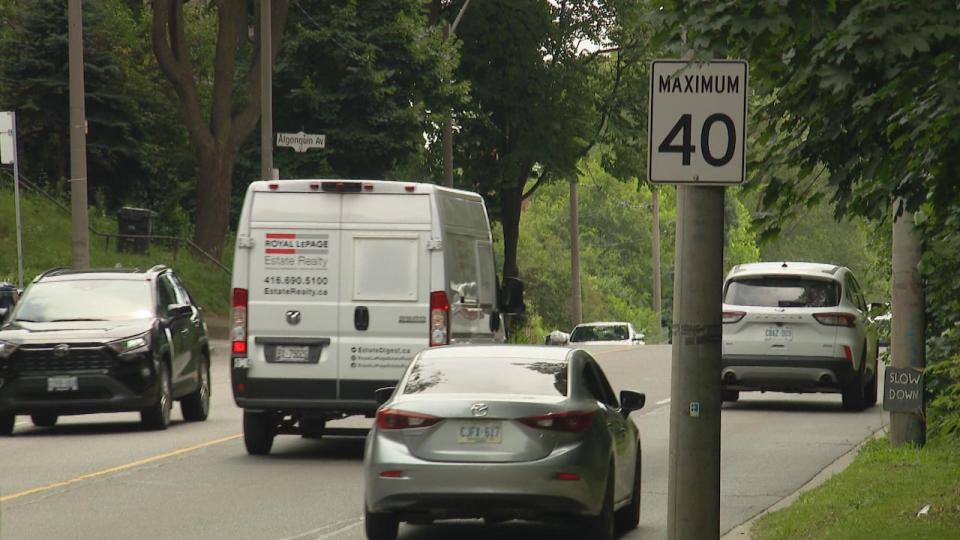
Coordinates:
3 313
631 401
383 394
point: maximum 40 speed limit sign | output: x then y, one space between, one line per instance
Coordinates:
697 122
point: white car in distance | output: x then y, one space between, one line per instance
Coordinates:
605 333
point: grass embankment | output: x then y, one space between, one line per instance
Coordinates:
47 243
878 496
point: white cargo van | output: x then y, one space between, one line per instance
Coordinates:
338 284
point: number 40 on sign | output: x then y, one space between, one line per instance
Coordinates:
697 122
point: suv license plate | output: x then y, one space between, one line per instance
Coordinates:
480 432
779 333
291 353
63 383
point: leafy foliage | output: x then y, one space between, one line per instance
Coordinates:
34 83
866 88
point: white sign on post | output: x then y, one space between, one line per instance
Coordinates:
697 122
301 141
6 137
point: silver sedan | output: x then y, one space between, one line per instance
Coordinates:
504 432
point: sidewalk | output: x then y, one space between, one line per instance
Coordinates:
742 531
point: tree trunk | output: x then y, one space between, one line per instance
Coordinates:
510 200
214 192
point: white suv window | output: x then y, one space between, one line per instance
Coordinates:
785 291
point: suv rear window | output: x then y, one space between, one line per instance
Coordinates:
782 292
610 332
479 375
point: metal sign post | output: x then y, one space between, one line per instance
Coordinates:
696 127
8 155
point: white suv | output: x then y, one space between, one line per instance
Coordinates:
797 327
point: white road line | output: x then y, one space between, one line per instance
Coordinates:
322 533
663 401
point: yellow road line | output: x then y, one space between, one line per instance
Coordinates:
111 470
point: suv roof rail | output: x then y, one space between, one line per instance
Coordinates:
157 268
55 271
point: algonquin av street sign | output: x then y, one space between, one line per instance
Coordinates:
697 122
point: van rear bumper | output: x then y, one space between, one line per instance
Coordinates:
342 396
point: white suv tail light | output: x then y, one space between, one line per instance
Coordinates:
836 319
730 317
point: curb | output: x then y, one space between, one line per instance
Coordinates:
742 531
218 327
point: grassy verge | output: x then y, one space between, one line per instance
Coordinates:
878 496
47 244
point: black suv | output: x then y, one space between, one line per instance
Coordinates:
104 340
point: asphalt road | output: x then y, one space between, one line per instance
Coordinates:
101 476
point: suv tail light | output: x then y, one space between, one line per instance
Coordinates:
569 422
836 319
396 419
730 317
238 334
439 319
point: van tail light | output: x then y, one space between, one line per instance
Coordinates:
730 317
238 333
439 319
836 319
396 419
569 422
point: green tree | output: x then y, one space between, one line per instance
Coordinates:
34 83
866 88
219 124
380 65
539 100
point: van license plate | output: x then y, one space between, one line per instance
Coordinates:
480 432
291 353
63 383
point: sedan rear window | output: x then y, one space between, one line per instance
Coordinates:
789 291
480 375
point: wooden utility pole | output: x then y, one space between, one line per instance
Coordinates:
266 92
908 336
576 300
78 138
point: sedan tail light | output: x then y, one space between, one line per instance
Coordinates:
836 319
569 422
730 317
397 419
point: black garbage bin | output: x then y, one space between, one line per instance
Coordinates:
138 221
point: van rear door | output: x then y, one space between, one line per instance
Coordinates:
294 289
385 288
